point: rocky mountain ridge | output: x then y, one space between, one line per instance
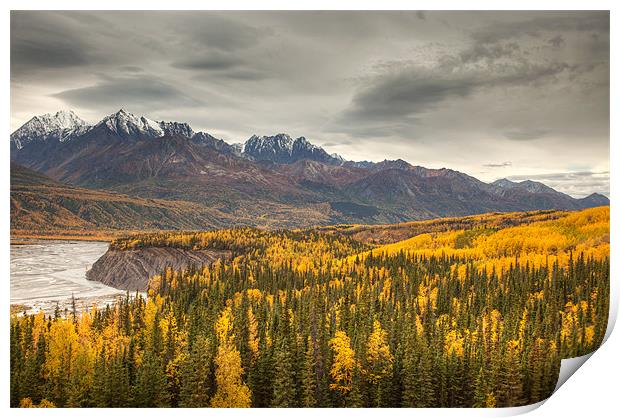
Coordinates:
270 180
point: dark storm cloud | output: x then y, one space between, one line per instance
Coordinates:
407 92
137 92
496 59
36 44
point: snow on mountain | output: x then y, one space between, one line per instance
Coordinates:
337 157
238 147
128 125
536 187
177 128
527 185
65 125
277 148
60 126
282 149
208 140
504 183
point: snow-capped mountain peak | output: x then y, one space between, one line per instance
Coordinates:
269 144
177 128
303 143
64 125
281 148
128 125
505 183
60 126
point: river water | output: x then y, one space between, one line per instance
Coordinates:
46 273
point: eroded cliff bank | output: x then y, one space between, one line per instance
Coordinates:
131 269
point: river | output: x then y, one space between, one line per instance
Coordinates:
45 273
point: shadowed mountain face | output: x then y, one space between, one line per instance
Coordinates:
270 181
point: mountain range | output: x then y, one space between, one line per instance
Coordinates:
272 181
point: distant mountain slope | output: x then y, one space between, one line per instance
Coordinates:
593 200
42 204
272 181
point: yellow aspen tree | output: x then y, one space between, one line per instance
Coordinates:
378 356
379 364
60 361
490 401
343 364
231 392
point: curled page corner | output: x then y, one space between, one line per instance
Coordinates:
568 367
516 410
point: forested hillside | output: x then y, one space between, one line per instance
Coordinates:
477 317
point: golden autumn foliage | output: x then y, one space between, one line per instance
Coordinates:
538 243
379 359
317 318
343 364
231 391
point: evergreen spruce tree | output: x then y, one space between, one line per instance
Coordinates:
197 380
284 395
308 378
151 382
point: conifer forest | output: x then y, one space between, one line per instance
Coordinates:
471 312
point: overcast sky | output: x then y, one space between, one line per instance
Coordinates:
493 94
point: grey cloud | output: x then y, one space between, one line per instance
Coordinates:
35 44
498 165
564 21
492 52
390 84
577 183
337 143
132 69
136 92
210 61
526 134
221 65
557 41
223 33
245 74
404 94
